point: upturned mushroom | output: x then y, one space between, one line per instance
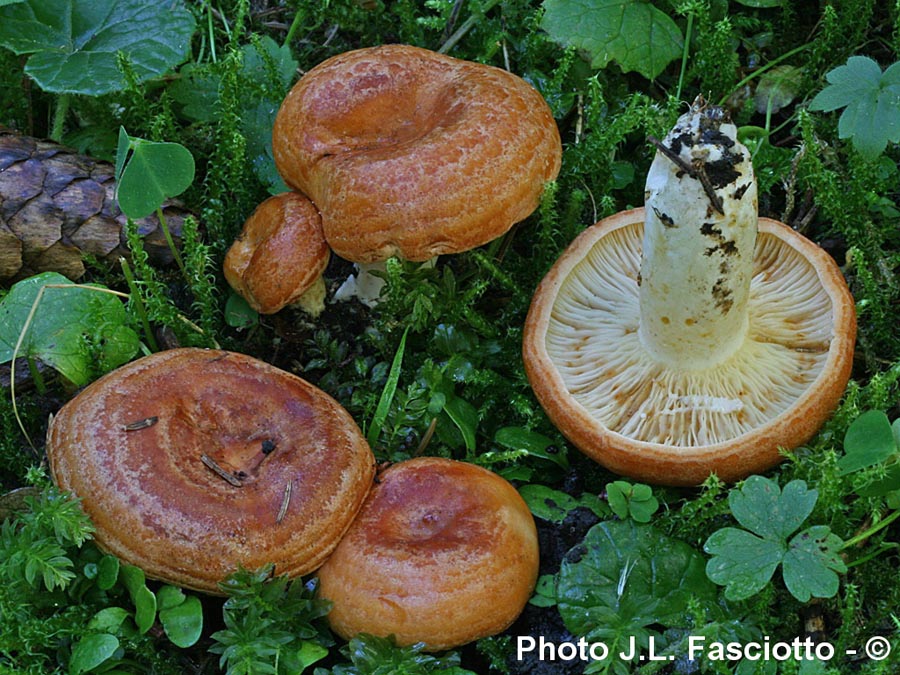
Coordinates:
192 462
691 337
280 255
442 552
413 154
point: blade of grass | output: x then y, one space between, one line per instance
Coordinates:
387 394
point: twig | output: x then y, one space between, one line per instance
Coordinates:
142 424
695 171
285 501
220 472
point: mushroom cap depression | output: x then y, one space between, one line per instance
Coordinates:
442 552
279 254
410 153
586 364
191 462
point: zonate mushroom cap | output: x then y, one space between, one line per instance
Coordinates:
410 153
587 366
279 255
192 462
442 552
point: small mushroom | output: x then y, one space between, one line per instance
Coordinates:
442 552
411 153
280 255
691 337
192 462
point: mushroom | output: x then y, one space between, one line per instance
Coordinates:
691 337
280 255
442 552
193 462
411 153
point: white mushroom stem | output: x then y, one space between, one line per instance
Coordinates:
699 241
364 285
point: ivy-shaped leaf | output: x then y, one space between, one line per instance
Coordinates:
75 45
744 561
625 577
634 34
871 102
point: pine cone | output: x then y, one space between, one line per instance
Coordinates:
57 205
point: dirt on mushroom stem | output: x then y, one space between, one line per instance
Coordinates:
699 242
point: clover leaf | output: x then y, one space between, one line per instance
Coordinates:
149 172
871 102
870 439
635 501
744 560
636 35
75 45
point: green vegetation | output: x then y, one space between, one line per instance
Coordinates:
436 368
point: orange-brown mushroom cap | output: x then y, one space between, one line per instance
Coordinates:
586 363
280 253
193 462
442 552
412 153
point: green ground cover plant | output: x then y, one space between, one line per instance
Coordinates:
181 96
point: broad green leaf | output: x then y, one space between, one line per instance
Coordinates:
868 441
183 622
547 503
777 87
80 332
627 576
168 597
811 563
761 4
91 651
634 34
768 511
75 45
107 572
464 415
535 444
135 582
108 619
238 312
742 562
880 487
150 173
309 653
871 102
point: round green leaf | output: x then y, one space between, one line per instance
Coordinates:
108 572
169 597
151 174
75 45
868 441
183 623
91 651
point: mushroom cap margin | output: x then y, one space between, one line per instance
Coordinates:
731 460
130 446
443 552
